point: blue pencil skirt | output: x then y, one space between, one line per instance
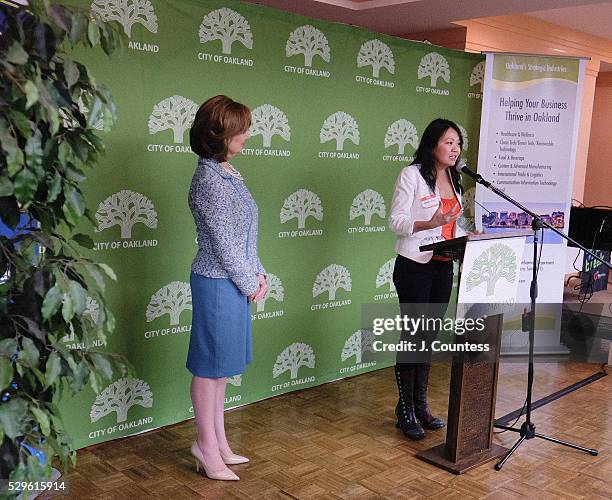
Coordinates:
220 344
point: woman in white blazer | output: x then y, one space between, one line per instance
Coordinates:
425 207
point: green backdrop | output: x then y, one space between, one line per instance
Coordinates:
337 113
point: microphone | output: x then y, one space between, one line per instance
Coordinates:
462 167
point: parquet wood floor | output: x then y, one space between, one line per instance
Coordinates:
338 441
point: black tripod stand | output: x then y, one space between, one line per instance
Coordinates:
527 430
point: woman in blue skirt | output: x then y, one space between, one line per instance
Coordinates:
226 275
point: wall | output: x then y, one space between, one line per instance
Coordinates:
598 183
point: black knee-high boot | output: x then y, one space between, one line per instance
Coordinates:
406 419
421 408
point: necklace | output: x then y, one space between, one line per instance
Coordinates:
229 168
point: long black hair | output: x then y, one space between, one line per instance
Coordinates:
424 154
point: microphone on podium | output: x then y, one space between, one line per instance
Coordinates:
462 168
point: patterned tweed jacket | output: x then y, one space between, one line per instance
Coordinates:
226 218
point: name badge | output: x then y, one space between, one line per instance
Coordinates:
430 201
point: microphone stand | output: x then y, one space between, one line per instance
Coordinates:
527 430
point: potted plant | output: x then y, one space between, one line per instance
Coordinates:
50 290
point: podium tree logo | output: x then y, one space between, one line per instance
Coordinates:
402 133
172 299
332 278
267 121
175 113
378 55
126 12
126 209
357 344
227 26
498 261
368 203
301 205
275 291
293 358
236 380
477 76
466 221
464 136
119 397
385 275
340 126
310 42
434 66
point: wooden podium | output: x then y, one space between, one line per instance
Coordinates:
473 386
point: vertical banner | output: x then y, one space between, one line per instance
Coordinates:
337 112
528 139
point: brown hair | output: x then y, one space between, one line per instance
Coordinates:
216 122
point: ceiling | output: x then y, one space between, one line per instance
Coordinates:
398 17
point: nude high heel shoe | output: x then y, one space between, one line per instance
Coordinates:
234 459
222 475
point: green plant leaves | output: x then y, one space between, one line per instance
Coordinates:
29 351
83 240
42 418
6 187
16 54
11 415
54 187
26 184
74 206
108 270
78 296
31 94
102 365
93 33
51 302
54 368
6 373
71 72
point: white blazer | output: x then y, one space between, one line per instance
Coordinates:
413 201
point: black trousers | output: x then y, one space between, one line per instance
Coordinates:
423 290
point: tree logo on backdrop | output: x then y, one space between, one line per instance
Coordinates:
330 280
477 78
229 27
300 205
308 41
127 13
464 136
126 209
236 380
496 262
434 66
268 121
291 359
339 127
467 221
384 278
276 291
385 275
172 299
378 55
401 133
174 113
118 398
357 344
367 204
